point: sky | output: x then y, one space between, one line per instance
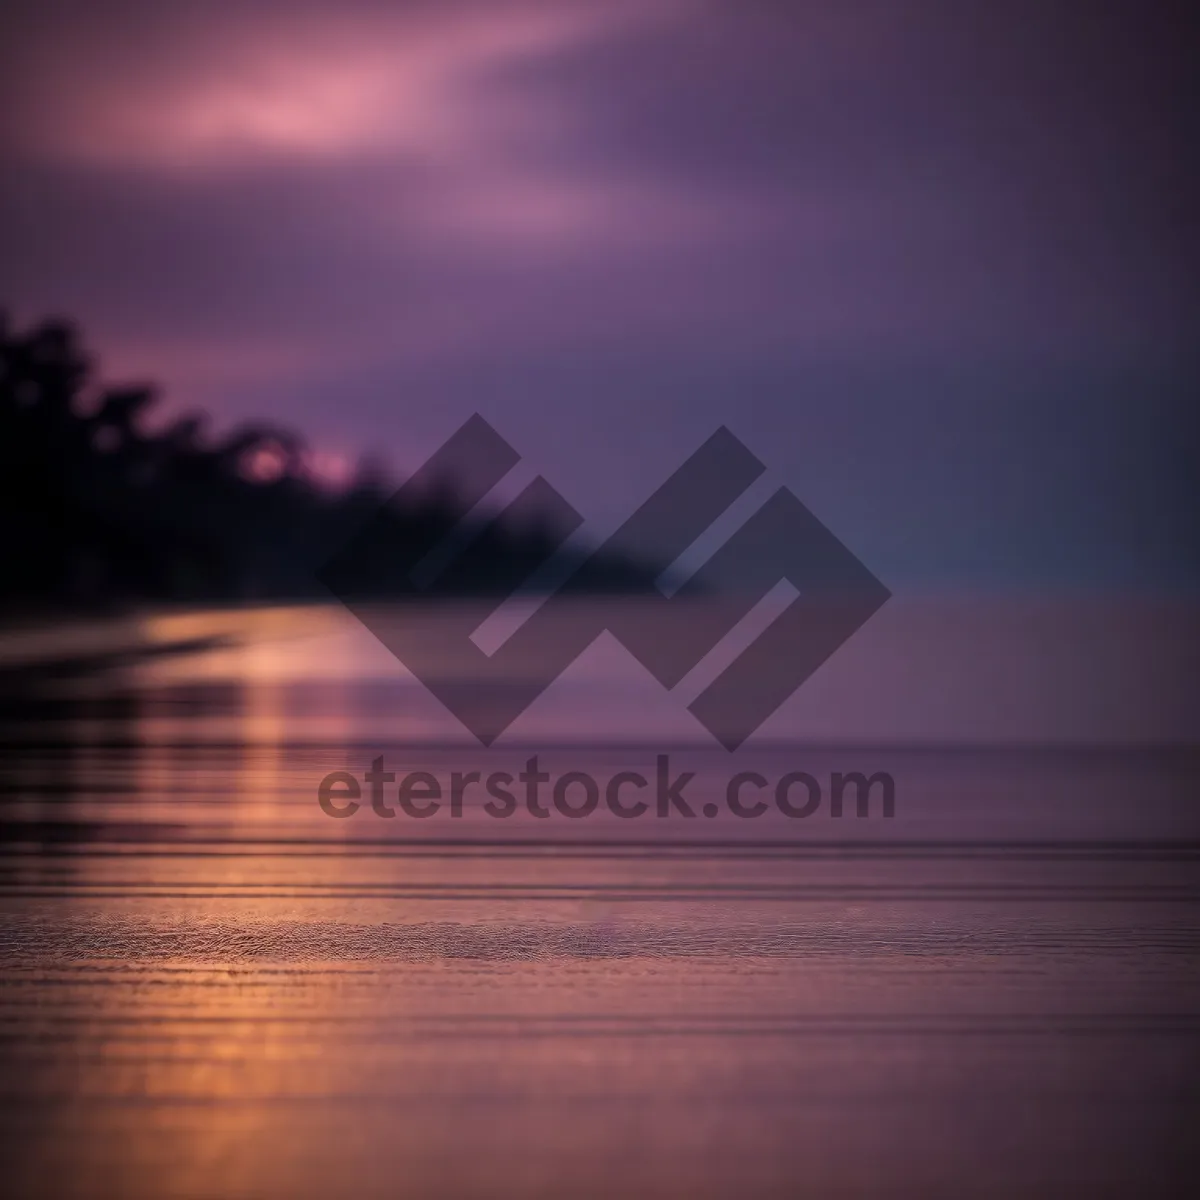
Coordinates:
935 263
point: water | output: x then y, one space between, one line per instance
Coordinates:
210 987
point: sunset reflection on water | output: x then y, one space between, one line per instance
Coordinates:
210 987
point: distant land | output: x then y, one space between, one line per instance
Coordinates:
99 513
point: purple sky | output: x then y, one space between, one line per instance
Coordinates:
935 262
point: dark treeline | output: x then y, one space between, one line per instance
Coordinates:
96 510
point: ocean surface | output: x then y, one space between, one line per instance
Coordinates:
211 988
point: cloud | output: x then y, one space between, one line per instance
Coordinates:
248 83
230 191
435 90
916 248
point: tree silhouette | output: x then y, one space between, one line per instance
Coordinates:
98 510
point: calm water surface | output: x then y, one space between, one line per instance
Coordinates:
210 988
